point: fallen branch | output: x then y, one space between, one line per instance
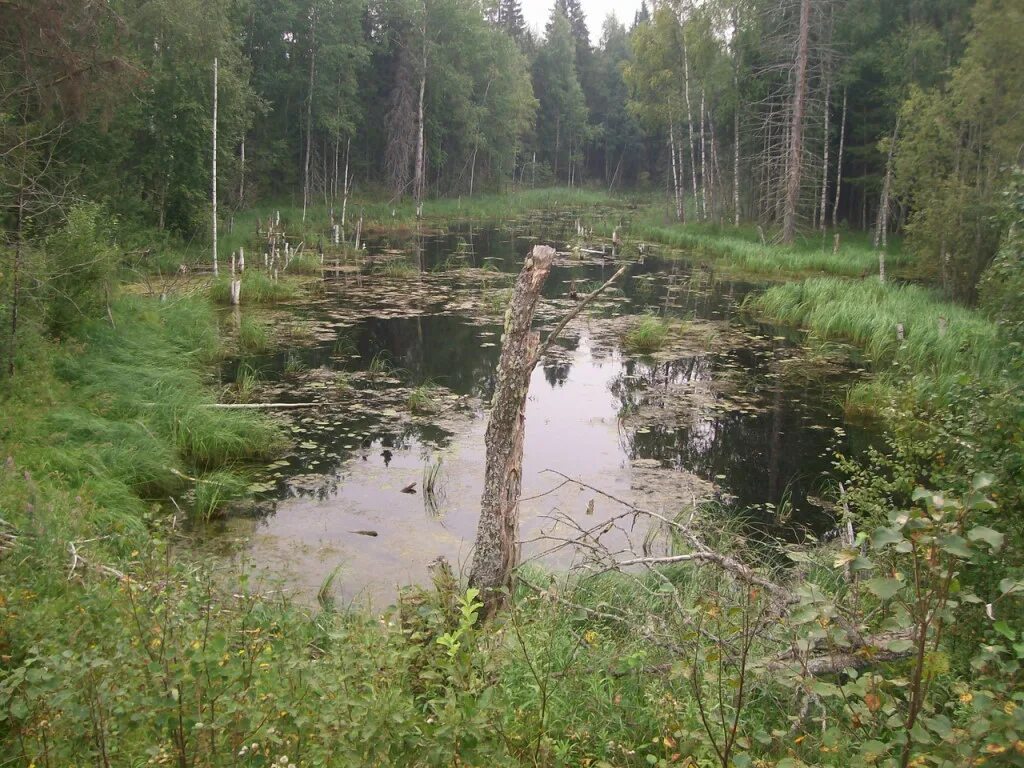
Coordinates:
262 405
575 311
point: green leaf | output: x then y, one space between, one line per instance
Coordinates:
883 537
982 480
956 545
900 646
1006 586
1005 630
883 587
983 533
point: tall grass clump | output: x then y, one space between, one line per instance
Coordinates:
306 263
257 288
253 336
742 249
647 335
940 338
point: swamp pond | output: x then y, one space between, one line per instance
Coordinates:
396 357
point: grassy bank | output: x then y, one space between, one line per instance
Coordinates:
741 248
940 339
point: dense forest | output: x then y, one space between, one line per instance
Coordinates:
787 242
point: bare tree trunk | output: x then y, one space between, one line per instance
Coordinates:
797 128
703 162
736 167
689 117
839 164
309 112
824 160
497 539
418 177
344 199
736 122
677 187
213 174
241 177
882 222
12 345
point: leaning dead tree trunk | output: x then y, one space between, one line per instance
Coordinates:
496 551
797 128
497 536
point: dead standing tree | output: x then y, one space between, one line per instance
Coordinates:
496 552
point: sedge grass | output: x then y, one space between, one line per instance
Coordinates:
257 288
939 338
647 335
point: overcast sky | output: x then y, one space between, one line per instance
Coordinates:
537 13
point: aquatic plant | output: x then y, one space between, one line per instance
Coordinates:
423 399
215 489
396 269
647 335
257 288
253 335
246 384
306 263
293 363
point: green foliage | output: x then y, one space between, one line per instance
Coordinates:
1002 285
80 268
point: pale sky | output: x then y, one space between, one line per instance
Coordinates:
537 13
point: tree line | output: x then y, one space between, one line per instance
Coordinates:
800 115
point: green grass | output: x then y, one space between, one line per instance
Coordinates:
307 263
867 312
647 335
129 418
396 269
254 336
423 400
257 288
740 248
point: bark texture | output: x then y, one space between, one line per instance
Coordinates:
497 538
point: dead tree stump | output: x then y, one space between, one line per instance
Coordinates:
497 539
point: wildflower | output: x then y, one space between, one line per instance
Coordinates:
966 698
243 751
283 760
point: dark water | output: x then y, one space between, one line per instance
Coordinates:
761 425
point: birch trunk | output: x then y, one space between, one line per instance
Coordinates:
496 551
418 177
309 113
824 160
241 177
344 199
689 117
882 222
213 174
736 123
839 164
677 187
795 165
703 163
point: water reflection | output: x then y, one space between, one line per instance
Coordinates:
729 415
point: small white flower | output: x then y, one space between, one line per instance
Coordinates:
283 760
243 751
